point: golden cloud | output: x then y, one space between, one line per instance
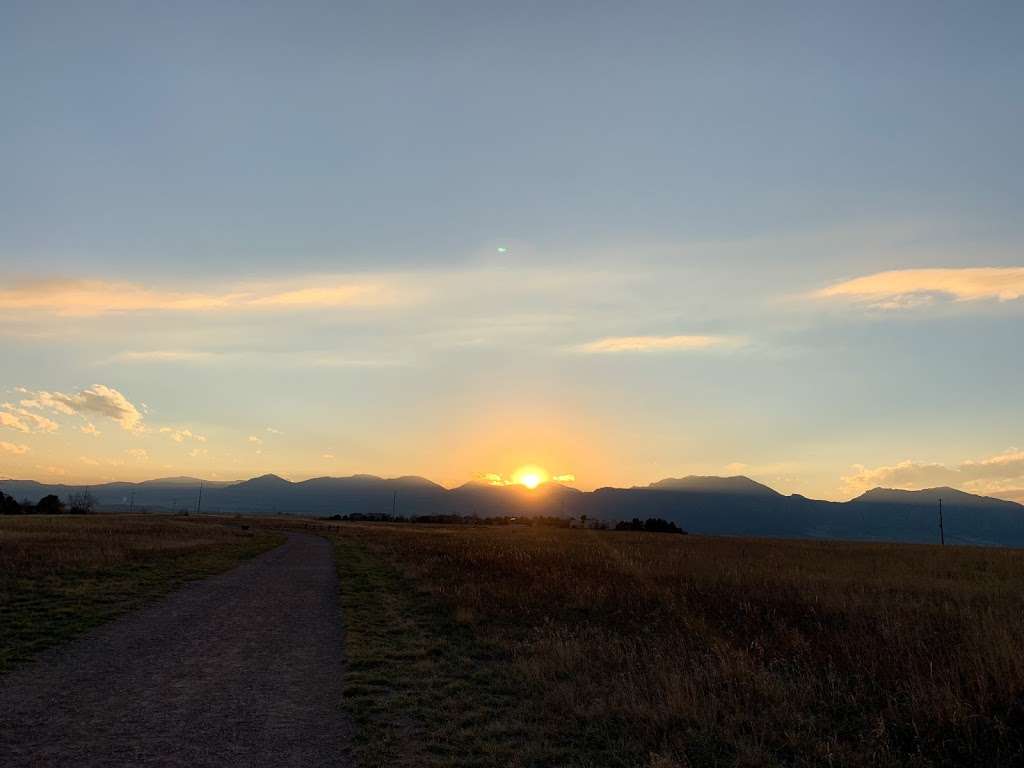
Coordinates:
97 297
11 421
904 288
181 435
613 344
24 420
98 399
988 475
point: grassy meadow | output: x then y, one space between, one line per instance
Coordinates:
512 646
62 575
476 646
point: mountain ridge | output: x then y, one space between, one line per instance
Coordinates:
735 505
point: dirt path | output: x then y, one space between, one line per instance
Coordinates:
241 669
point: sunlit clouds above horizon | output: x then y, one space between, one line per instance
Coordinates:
335 239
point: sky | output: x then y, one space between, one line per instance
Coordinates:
616 241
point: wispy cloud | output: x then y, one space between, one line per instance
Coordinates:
97 297
24 420
908 288
16 448
164 356
181 435
616 344
988 475
11 421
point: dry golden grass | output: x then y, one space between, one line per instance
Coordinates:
61 575
648 649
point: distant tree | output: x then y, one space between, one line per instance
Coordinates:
50 505
651 525
82 503
9 505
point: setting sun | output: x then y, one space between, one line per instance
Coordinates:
530 476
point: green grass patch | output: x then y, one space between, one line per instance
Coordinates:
54 587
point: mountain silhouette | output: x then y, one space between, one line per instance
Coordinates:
735 506
737 485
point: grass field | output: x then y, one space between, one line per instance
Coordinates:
62 575
516 646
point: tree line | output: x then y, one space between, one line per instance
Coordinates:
650 525
79 503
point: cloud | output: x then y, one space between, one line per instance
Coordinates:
327 456
163 356
493 478
139 454
90 429
908 288
98 399
25 420
255 440
273 431
11 421
197 452
614 344
331 361
987 476
181 435
16 448
71 297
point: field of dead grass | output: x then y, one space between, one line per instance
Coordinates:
626 649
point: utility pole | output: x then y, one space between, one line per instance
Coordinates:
394 505
942 532
199 501
131 503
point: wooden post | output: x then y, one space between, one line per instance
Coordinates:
942 532
199 501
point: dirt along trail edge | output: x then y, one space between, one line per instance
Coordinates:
240 669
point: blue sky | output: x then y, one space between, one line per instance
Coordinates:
413 239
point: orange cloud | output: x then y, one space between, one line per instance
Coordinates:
97 297
613 344
23 420
904 288
181 435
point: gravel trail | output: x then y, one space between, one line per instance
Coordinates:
240 669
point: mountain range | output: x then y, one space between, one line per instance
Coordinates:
735 506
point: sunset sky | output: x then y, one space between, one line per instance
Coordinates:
617 241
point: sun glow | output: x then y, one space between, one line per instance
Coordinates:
530 476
